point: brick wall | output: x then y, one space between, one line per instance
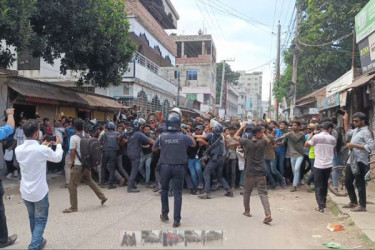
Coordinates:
136 9
201 59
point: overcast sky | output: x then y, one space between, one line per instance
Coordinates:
242 29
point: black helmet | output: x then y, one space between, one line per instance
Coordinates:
218 129
173 121
135 125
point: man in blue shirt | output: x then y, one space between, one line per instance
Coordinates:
5 131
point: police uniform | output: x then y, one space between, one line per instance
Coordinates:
173 158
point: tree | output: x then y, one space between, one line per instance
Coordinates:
90 36
322 22
230 77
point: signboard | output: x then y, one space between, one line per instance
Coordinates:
367 54
329 102
365 21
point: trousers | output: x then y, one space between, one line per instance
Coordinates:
38 216
175 173
109 163
135 166
321 177
211 166
261 183
3 219
359 183
77 173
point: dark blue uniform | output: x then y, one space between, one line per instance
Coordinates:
215 162
173 158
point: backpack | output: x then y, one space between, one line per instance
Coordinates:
90 151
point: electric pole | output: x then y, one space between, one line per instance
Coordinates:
295 63
222 80
278 64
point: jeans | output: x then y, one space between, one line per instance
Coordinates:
176 174
296 166
145 161
3 219
280 159
121 169
267 165
337 161
261 183
274 171
311 177
195 169
321 177
359 183
230 171
38 216
305 169
135 166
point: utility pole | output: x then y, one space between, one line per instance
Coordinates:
295 62
277 65
222 80
178 86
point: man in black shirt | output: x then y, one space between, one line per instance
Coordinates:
255 172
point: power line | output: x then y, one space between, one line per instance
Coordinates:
220 28
325 44
281 11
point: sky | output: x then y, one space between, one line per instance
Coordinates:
245 30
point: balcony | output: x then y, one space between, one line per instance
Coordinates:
149 73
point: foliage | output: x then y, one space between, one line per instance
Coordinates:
230 77
321 22
90 36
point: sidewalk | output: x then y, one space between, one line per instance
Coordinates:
365 221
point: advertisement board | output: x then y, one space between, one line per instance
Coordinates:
365 21
367 54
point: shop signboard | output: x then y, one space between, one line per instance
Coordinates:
365 21
367 54
329 102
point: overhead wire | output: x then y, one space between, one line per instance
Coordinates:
324 44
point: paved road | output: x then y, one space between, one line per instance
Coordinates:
295 225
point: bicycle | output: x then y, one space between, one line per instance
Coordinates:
340 190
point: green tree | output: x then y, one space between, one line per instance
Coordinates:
230 77
321 22
90 36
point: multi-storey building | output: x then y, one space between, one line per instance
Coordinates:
232 102
196 68
252 84
146 83
242 101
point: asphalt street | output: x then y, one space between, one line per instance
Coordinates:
296 224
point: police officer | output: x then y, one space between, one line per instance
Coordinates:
215 162
173 157
134 147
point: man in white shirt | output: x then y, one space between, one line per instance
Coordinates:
33 158
324 145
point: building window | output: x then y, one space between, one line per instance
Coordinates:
192 75
206 98
177 74
26 61
126 90
191 96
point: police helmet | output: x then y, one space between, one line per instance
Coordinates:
135 125
177 110
173 121
111 125
141 121
183 126
218 129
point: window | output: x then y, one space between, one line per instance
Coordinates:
177 74
126 90
192 75
26 61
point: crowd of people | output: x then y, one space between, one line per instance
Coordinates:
201 154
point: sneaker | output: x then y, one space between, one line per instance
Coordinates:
133 190
205 196
10 241
164 218
200 186
176 224
229 194
43 245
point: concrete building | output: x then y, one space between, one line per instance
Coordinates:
232 102
252 84
242 101
196 63
265 105
147 82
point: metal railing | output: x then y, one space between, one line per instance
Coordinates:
144 61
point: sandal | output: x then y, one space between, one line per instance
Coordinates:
350 205
69 210
247 214
267 220
359 209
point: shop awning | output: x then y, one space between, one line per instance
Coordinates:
37 91
359 81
